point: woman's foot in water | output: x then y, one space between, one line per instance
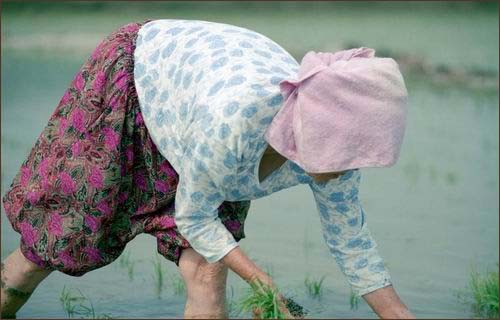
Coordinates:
19 278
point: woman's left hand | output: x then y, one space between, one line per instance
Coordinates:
386 304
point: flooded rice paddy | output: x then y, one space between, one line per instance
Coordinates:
433 215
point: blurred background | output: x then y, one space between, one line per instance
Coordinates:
434 214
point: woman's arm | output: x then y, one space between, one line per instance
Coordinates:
387 305
350 242
238 261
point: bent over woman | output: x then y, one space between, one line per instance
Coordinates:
172 126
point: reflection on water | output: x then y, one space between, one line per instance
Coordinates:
413 171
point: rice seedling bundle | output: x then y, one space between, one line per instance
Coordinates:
265 303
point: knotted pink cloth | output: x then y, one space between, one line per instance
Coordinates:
346 110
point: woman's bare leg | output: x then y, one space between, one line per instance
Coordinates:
205 284
20 277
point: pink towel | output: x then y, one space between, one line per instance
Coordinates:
346 110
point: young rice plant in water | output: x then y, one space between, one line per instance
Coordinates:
125 262
484 290
264 302
79 305
158 275
314 287
177 284
354 301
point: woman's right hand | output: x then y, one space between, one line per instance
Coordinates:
240 263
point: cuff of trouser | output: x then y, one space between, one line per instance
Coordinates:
223 253
383 284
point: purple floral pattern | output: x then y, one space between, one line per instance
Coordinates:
94 179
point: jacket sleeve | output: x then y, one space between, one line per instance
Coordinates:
200 192
347 235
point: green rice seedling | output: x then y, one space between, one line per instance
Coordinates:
87 311
307 244
354 301
412 171
79 305
264 302
126 262
178 285
69 302
314 287
451 177
158 275
124 259
484 290
130 269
